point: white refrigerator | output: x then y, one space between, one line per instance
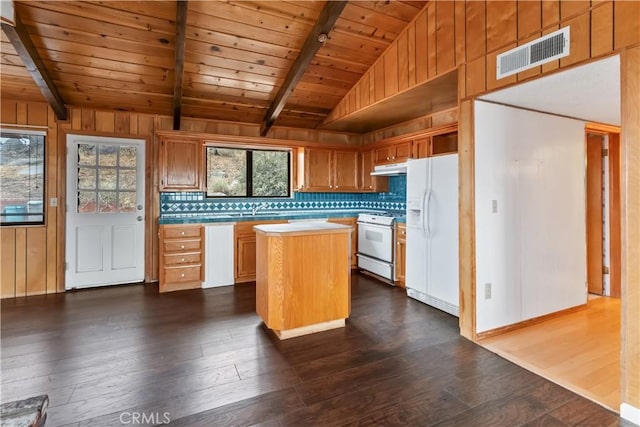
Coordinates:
432 232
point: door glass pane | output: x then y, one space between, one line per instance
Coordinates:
108 155
86 179
107 180
127 201
107 201
127 179
128 157
86 202
87 154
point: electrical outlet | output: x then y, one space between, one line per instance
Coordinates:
53 202
494 206
487 291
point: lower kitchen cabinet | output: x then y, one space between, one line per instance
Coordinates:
181 257
351 222
245 250
400 255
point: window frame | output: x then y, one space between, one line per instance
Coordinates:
43 133
249 150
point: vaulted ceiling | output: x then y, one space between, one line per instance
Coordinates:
237 55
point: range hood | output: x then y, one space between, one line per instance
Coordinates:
390 169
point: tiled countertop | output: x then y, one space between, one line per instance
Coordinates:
263 216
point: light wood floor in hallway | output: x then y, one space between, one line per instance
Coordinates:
580 350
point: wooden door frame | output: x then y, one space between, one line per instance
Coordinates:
615 214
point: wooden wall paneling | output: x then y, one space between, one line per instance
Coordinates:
431 40
553 64
36 261
445 36
422 70
357 97
492 83
523 75
466 231
363 85
460 30
390 59
21 262
411 55
8 111
353 100
602 29
475 30
529 18
580 39
550 13
105 121
403 61
379 80
88 119
502 24
122 122
573 7
36 114
76 118
476 81
372 85
51 190
615 256
630 334
21 113
7 262
62 129
626 16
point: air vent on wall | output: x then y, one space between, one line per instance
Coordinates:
537 52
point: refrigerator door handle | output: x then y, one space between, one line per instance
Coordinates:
426 213
423 213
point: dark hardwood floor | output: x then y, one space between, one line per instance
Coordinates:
203 357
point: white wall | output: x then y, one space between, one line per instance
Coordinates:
533 249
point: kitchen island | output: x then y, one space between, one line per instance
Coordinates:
303 282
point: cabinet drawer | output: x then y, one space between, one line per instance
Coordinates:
179 259
182 274
182 246
181 232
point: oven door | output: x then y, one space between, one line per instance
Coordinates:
375 241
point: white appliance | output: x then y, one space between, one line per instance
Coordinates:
431 274
390 169
375 244
218 252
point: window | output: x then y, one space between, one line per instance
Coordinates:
233 172
21 177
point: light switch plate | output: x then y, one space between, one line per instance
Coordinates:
487 291
53 202
494 206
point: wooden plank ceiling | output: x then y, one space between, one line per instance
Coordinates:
121 55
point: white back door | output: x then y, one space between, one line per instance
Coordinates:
105 211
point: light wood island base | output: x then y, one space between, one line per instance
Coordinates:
303 277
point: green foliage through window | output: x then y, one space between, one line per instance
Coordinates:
233 172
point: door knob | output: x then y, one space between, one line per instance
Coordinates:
139 218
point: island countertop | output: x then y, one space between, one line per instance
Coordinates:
301 228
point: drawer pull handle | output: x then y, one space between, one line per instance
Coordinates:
182 275
182 233
182 260
182 247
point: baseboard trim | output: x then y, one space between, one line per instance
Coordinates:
630 413
504 329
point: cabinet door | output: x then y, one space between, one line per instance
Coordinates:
444 144
245 258
345 171
368 182
180 165
383 155
421 148
402 152
318 172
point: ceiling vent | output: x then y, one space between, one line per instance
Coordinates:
537 52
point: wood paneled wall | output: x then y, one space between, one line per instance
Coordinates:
468 35
631 227
32 257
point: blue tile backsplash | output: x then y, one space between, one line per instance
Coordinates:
196 203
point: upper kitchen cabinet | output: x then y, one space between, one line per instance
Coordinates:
181 164
377 184
393 153
445 143
327 170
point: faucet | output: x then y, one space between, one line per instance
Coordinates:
255 207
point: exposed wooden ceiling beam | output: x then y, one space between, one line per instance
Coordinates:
22 43
181 32
323 25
